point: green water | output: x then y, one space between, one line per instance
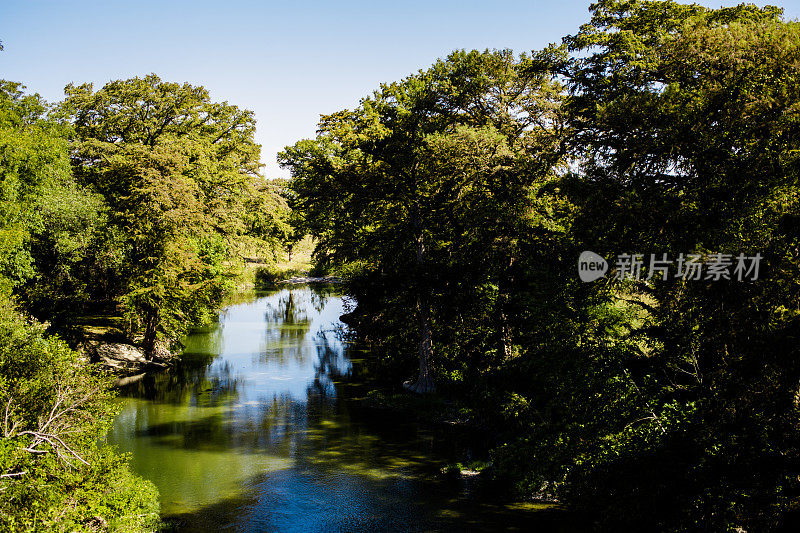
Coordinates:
254 431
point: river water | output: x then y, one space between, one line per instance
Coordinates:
255 430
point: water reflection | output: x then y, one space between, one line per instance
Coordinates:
250 432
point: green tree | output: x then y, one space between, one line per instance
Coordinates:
652 404
48 222
395 181
177 172
684 136
55 407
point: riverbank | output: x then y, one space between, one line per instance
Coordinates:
102 338
474 437
265 273
464 442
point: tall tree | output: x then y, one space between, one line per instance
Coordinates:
54 474
48 222
176 171
388 184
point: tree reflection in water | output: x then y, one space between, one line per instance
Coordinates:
252 430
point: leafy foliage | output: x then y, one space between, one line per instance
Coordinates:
54 407
179 174
424 174
468 190
53 474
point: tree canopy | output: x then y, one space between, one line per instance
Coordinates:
465 193
179 174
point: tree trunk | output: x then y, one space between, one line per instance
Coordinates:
150 330
505 335
424 383
506 348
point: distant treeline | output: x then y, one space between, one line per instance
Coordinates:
457 201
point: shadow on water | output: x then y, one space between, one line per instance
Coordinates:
252 432
369 475
297 500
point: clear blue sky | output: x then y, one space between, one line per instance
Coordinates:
289 61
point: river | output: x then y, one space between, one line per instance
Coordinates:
255 430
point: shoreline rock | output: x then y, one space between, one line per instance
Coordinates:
128 360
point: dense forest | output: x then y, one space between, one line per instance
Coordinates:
455 204
459 199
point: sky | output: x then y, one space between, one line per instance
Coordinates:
289 62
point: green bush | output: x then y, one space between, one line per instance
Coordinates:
55 476
266 277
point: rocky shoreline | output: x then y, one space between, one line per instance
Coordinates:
128 361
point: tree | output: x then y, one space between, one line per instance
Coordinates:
177 172
48 222
388 184
684 134
54 407
654 403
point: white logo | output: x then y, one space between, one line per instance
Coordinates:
591 266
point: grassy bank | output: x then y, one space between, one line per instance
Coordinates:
264 271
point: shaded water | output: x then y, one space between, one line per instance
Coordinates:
254 432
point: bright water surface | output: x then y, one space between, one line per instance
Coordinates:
255 432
